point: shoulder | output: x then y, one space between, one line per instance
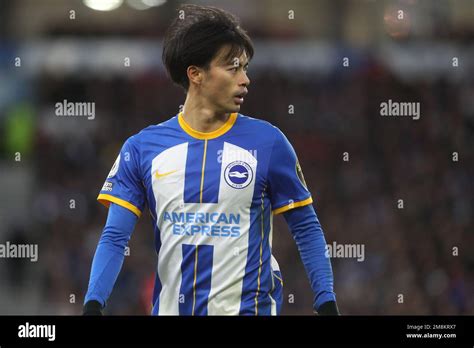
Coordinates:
263 130
259 126
154 132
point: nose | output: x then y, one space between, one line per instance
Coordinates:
246 81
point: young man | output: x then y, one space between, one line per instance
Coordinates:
212 179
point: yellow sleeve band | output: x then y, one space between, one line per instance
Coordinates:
106 199
293 205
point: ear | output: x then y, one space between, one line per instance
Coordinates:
195 74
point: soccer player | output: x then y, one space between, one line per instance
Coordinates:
212 179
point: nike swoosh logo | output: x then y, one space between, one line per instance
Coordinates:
159 175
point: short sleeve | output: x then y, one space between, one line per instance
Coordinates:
123 185
287 188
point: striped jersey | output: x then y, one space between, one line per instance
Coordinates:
211 197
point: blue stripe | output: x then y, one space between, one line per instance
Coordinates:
157 287
250 281
277 292
266 283
186 294
192 179
190 295
212 171
212 175
156 296
203 280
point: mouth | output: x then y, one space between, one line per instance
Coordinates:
239 98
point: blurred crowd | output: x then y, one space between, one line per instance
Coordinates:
357 164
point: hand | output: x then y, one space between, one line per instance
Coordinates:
92 308
328 308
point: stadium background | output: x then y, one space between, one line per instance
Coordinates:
299 67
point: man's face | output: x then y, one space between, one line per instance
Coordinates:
224 84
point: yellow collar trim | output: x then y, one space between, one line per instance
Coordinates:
207 135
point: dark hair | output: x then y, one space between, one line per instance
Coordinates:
196 35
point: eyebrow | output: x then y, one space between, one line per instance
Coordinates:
231 63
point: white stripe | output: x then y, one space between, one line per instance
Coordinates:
230 254
274 307
168 192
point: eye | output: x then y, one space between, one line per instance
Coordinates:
234 69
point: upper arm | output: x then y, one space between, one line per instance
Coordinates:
123 185
120 224
287 188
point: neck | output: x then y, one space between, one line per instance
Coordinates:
201 117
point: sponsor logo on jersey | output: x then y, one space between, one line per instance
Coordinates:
108 186
208 224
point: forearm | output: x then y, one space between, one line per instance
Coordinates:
308 234
109 255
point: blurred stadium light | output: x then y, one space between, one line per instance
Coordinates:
103 5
